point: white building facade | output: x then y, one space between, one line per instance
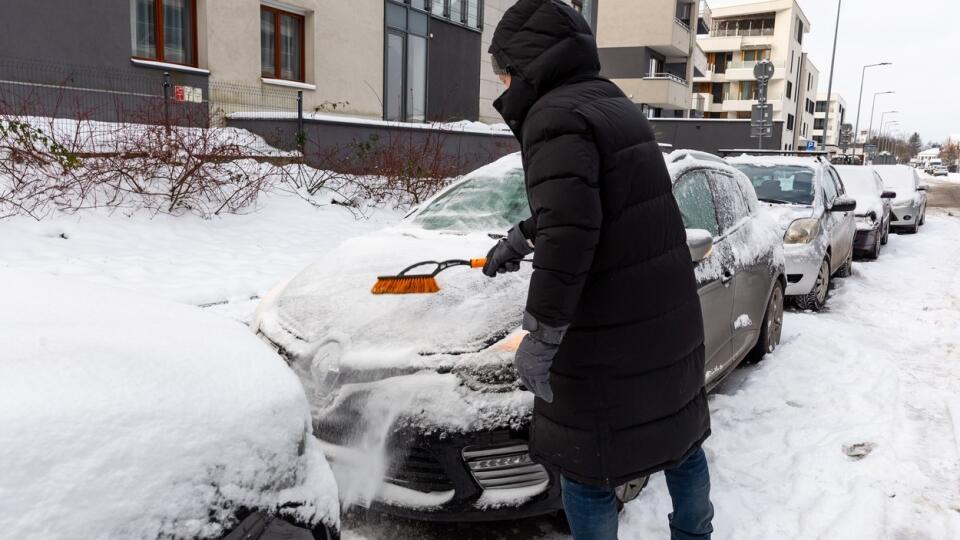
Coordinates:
742 35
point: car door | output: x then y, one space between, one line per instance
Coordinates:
694 194
847 221
833 222
751 274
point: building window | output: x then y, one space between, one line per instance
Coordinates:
165 30
281 44
819 123
799 31
405 59
790 122
792 55
789 89
821 106
466 12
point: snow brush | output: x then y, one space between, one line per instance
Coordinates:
404 283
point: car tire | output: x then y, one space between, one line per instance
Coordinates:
923 216
816 299
771 328
877 246
914 229
886 234
846 269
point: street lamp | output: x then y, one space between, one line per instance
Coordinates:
883 131
856 130
872 108
884 114
833 59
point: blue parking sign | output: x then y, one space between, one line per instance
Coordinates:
811 145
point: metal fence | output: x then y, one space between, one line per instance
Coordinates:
70 93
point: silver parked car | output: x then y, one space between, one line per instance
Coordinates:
815 217
909 208
873 208
430 377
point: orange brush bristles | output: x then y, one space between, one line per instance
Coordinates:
405 285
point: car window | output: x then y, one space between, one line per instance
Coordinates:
838 182
695 199
829 187
789 184
731 206
482 203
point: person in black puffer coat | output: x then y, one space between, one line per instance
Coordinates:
615 349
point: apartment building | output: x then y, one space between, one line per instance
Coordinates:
649 49
404 60
829 134
741 35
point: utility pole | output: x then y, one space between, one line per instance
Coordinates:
872 110
833 58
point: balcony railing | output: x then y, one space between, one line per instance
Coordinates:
749 31
749 64
666 76
683 24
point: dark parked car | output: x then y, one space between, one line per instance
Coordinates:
428 380
873 208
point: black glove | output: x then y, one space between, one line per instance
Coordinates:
535 356
506 255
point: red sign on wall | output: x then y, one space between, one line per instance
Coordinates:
178 93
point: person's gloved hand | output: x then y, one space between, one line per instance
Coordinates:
506 255
535 356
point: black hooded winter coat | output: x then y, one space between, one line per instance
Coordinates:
611 259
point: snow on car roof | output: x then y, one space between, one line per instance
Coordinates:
773 161
129 417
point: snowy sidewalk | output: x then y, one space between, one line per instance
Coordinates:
881 367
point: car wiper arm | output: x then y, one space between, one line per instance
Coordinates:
775 201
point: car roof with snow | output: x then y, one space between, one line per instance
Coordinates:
130 417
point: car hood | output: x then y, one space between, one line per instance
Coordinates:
332 299
785 214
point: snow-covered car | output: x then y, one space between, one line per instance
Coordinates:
127 417
909 207
940 171
415 397
815 219
873 207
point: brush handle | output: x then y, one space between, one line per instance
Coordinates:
478 263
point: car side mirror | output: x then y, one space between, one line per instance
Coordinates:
700 243
844 204
888 195
922 187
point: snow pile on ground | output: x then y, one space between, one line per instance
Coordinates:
227 259
126 417
880 368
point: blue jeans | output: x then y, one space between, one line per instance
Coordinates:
592 511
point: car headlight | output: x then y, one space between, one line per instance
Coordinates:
802 231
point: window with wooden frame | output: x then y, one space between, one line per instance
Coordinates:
282 50
165 30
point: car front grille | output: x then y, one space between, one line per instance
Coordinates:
419 470
504 466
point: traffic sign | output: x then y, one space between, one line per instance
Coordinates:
811 145
761 131
763 70
870 149
761 114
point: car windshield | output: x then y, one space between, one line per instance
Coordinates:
859 181
782 184
481 203
900 180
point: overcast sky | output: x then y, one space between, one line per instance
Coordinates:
920 37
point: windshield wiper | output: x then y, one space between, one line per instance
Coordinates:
774 201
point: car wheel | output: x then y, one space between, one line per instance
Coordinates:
817 298
923 216
771 328
875 252
915 228
846 269
886 234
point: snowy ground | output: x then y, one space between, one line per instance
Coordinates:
882 367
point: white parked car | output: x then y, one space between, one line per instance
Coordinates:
909 208
815 216
125 417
